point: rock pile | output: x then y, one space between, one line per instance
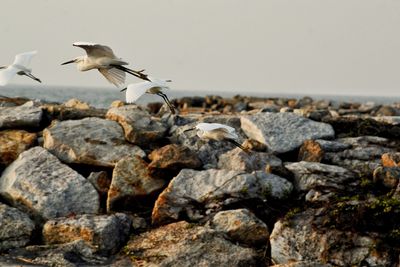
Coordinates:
128 186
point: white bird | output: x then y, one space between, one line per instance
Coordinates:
154 86
103 59
218 132
20 67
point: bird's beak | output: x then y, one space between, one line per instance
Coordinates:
123 89
68 62
168 81
190 129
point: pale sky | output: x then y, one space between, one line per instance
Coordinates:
346 47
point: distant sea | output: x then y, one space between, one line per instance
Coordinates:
103 97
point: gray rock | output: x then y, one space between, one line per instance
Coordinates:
332 146
104 233
131 181
301 239
139 127
20 116
237 159
15 228
312 175
284 132
242 226
91 141
212 188
40 184
185 245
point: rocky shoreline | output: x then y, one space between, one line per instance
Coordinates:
128 186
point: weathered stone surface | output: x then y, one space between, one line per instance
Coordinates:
312 175
191 189
332 146
186 245
76 103
15 228
131 180
91 141
100 181
13 142
303 264
242 226
284 132
388 176
300 239
105 233
310 151
139 127
62 113
174 157
237 159
40 184
390 159
20 116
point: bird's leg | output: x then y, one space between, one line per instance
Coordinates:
32 77
238 145
164 96
138 74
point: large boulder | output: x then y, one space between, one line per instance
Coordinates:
191 192
13 142
130 183
105 233
284 132
186 245
139 127
40 184
27 116
15 228
91 141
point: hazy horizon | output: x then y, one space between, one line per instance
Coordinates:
292 47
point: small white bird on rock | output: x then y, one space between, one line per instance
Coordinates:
103 59
218 132
20 67
154 86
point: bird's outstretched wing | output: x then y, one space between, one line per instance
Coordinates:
95 50
114 76
7 74
24 59
136 90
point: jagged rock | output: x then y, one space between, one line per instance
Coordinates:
303 264
77 104
312 175
311 151
174 157
139 127
131 181
284 132
191 191
186 245
388 176
62 113
332 146
105 233
76 253
390 159
20 116
40 184
15 228
242 226
100 181
254 145
13 142
302 238
91 141
237 159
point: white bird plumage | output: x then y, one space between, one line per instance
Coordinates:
103 59
154 86
19 66
218 132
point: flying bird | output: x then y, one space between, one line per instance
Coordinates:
20 67
153 86
103 59
218 132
